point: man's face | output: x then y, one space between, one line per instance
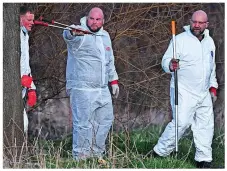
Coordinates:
95 21
27 21
198 24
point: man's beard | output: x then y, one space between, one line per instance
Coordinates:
195 33
93 30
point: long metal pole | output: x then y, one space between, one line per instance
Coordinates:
36 22
173 24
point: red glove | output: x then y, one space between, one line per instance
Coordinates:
174 64
213 90
31 98
78 32
26 81
114 82
213 93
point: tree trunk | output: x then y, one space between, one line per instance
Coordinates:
12 98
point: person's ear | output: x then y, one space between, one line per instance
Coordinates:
21 21
207 24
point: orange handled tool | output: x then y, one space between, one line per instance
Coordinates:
173 26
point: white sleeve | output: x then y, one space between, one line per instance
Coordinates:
213 79
167 57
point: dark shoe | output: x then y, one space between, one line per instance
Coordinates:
203 164
152 154
155 155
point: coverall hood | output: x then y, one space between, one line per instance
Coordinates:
24 29
187 29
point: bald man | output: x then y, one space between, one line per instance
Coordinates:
90 68
197 84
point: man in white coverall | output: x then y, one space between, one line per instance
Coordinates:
197 84
28 91
90 67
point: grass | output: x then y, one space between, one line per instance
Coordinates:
125 150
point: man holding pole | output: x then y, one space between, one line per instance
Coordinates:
197 84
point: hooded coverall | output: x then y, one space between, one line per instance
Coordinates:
90 66
195 76
25 67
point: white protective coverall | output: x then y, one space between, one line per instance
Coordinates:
25 67
195 76
90 66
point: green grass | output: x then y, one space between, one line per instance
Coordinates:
125 150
